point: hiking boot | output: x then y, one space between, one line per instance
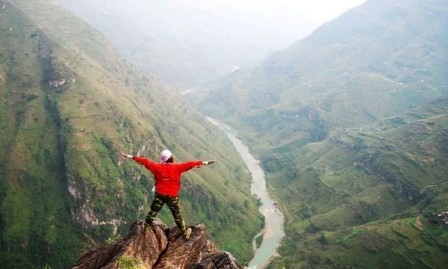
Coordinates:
187 233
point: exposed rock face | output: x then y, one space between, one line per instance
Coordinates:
159 247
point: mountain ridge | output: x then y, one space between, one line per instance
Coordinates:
340 65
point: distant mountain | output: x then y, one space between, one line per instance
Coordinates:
350 125
186 43
373 62
69 104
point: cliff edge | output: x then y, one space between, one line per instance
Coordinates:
159 247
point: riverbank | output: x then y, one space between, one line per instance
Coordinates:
273 231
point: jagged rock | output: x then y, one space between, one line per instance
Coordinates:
223 260
159 247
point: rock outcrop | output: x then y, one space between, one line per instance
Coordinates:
159 247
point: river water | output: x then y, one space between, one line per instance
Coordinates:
273 230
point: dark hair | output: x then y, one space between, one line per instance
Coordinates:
170 160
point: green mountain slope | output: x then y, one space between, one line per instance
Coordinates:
350 125
366 197
68 106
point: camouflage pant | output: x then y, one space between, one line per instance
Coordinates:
173 204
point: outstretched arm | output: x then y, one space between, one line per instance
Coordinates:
127 156
208 162
149 164
183 167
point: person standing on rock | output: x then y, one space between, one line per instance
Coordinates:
167 176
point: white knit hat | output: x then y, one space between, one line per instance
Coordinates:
165 155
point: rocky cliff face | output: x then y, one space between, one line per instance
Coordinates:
159 247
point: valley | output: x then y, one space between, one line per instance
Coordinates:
350 129
272 232
349 124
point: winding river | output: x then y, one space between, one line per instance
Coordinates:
273 230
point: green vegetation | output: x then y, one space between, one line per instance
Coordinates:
126 262
362 196
383 244
69 105
350 125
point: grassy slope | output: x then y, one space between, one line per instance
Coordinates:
34 207
61 174
365 197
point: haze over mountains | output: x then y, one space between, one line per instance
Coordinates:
186 43
373 62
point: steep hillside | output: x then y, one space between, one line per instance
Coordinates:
375 61
68 106
368 197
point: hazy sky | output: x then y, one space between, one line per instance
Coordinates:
216 35
317 10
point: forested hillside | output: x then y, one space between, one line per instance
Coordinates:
69 104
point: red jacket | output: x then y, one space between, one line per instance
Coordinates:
167 175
